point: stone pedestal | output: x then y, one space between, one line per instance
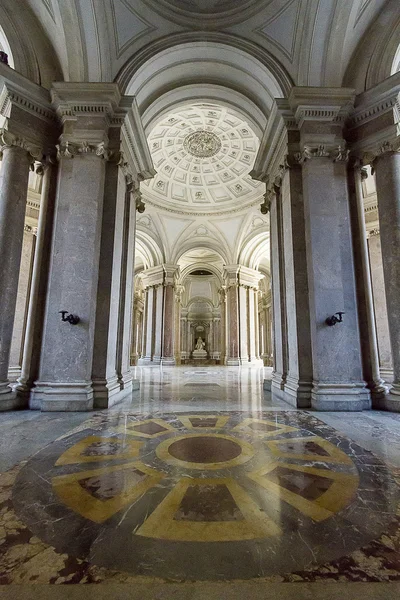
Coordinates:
199 355
13 193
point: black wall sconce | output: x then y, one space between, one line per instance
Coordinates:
334 319
66 318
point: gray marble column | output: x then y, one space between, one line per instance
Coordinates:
65 379
253 326
380 310
158 322
37 297
337 370
298 381
13 194
148 326
243 325
132 198
232 309
369 346
387 171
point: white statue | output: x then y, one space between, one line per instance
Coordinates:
200 344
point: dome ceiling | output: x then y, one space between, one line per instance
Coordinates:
203 155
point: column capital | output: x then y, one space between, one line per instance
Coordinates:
9 140
97 119
239 275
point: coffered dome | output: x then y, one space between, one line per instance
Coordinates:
203 155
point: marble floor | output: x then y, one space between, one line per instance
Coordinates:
200 486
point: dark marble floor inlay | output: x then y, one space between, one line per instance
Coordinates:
198 449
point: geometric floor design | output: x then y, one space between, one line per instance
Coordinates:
218 496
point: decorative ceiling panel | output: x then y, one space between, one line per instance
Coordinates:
203 155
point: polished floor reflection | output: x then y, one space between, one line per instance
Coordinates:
191 488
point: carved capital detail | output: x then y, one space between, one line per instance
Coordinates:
69 149
337 153
7 140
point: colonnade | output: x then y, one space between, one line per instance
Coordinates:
231 331
89 145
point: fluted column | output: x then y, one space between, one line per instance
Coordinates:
387 171
14 174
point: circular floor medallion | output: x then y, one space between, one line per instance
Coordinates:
207 451
205 496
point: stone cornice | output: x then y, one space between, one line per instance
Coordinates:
96 100
26 110
134 141
321 104
374 126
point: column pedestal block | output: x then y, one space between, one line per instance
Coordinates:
340 397
65 397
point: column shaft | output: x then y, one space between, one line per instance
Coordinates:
13 194
369 346
36 307
387 169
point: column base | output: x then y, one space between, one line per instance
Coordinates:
267 383
296 393
277 384
256 362
390 402
106 392
340 397
233 362
64 397
168 361
9 400
146 360
14 373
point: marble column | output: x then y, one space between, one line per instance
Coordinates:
278 293
380 310
222 331
369 346
13 194
132 199
168 317
148 326
158 322
168 357
37 296
387 172
298 381
243 324
232 315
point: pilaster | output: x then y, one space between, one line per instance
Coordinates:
28 129
91 271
